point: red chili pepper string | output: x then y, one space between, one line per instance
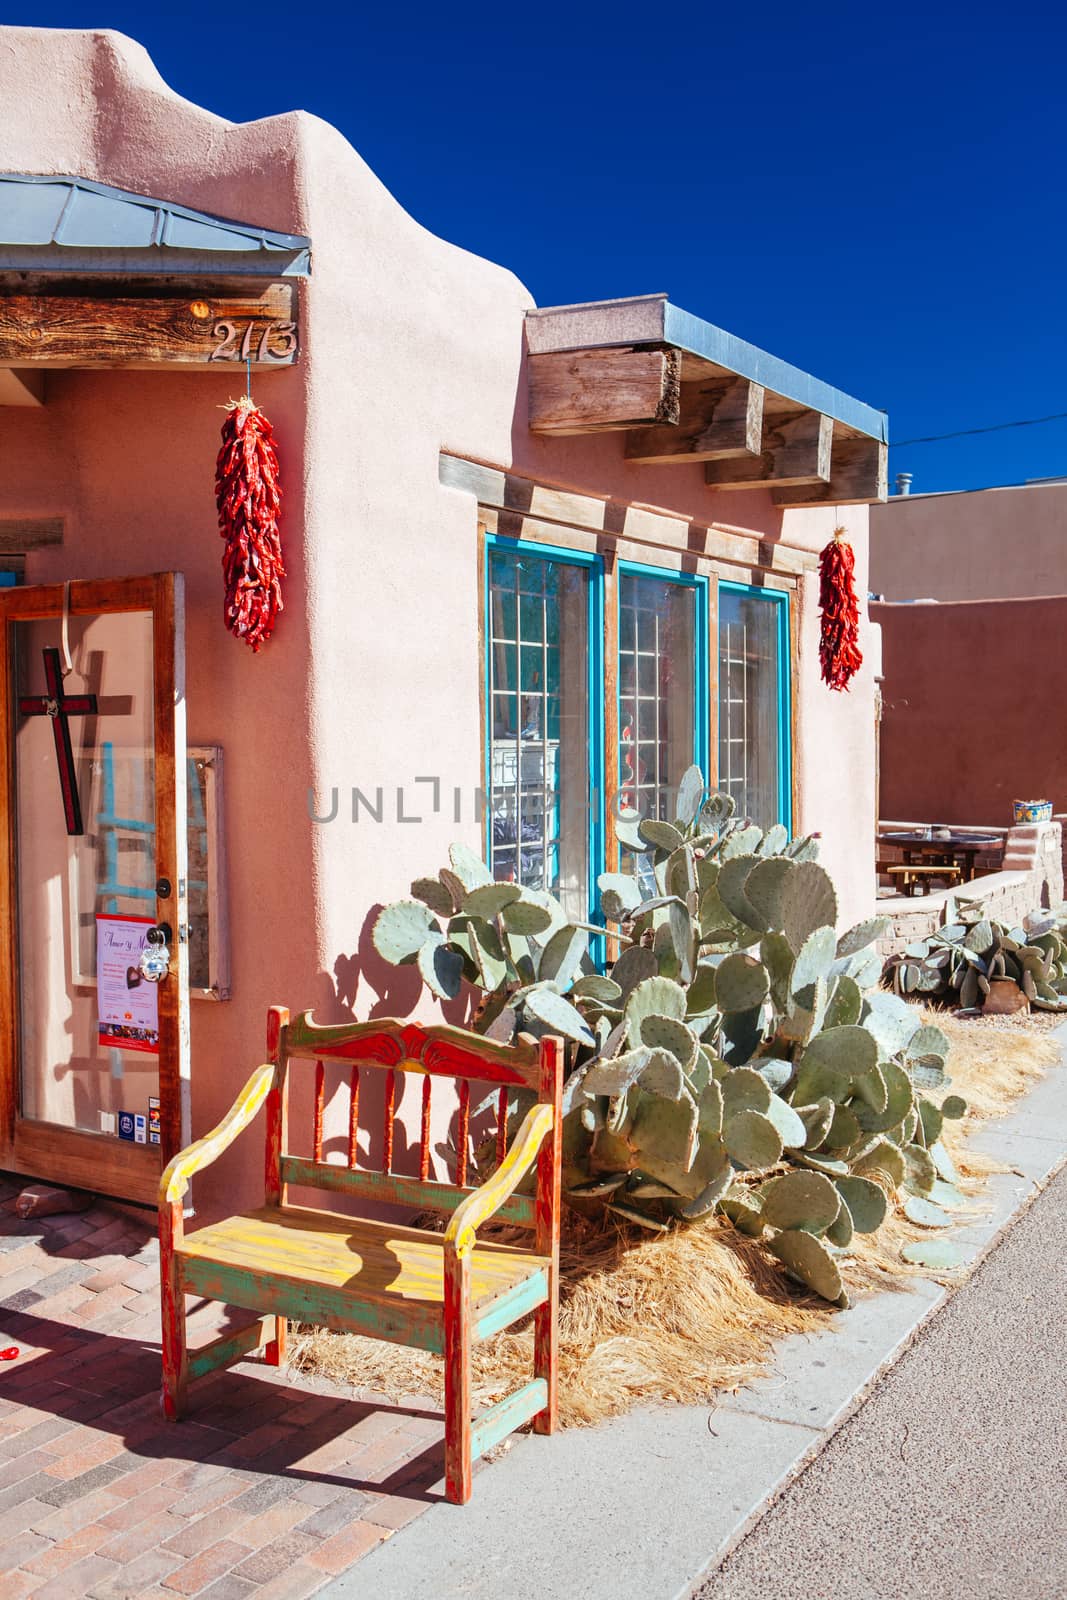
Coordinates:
248 495
839 653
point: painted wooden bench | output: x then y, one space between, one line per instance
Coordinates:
436 1291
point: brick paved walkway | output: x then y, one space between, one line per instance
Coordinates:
269 1488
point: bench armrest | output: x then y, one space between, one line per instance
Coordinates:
478 1207
175 1180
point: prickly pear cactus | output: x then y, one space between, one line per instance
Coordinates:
737 1054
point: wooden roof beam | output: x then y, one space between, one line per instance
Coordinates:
796 451
859 474
719 419
601 391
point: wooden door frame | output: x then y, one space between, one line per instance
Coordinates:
48 1150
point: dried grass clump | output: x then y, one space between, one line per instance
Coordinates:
688 1314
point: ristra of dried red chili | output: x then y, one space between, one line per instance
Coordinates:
248 494
840 657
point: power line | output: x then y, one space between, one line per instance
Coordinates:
967 433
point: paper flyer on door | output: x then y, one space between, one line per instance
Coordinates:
128 1005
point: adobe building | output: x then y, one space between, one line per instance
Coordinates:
535 558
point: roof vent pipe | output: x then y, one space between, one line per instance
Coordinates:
903 483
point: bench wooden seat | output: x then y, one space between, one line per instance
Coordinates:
435 1291
342 1272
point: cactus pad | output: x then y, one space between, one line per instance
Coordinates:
667 1033
615 1077
752 1140
764 887
441 968
433 893
468 867
937 1254
744 1090
525 916
924 1213
866 1202
557 1015
807 1259
814 960
863 935
733 875
787 1122
844 1004
662 1074
662 835
799 1199
632 968
401 930
883 1160
741 983
808 902
489 899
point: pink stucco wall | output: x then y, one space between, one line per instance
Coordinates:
411 347
988 544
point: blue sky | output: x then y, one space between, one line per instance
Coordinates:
873 193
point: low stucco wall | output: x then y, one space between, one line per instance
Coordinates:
984 544
410 347
970 718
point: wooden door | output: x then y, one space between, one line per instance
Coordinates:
93 1056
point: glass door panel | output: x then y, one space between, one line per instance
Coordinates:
83 1064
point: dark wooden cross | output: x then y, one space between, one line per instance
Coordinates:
59 707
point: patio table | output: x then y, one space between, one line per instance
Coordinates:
947 850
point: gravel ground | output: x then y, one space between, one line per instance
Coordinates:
951 1481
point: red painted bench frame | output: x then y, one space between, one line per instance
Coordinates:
435 1051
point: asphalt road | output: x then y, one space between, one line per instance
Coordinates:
951 1481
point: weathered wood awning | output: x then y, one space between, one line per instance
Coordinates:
92 276
684 390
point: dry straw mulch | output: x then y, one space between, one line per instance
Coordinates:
685 1315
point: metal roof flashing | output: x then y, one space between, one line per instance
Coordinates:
52 223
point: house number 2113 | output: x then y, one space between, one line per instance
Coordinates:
271 341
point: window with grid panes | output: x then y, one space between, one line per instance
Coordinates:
539 720
752 716
547 683
658 682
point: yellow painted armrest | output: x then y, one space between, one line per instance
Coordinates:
478 1207
175 1180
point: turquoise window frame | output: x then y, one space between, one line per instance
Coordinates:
779 598
8 579
594 565
701 658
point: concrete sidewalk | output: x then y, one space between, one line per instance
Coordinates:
951 1481
644 1507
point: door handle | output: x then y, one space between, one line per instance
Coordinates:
154 963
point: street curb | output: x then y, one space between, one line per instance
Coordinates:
650 1505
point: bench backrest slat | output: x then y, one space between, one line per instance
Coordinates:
519 1209
400 1049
